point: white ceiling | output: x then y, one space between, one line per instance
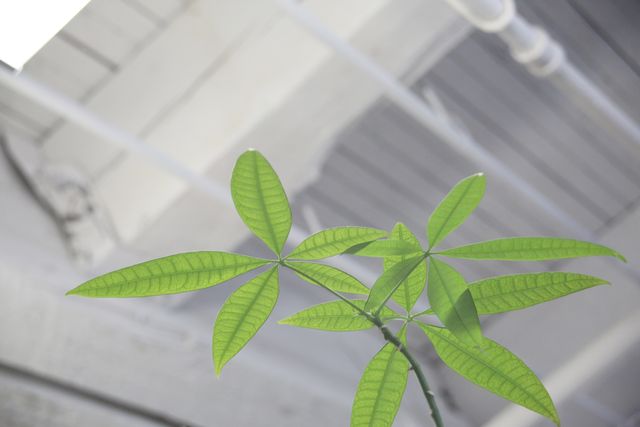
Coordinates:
204 80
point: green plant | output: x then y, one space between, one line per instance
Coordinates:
263 206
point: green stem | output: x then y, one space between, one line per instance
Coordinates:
389 337
417 369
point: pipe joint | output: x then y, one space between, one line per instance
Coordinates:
492 24
543 57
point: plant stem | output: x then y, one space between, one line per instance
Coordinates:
417 369
389 337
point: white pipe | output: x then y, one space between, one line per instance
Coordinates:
544 57
532 47
576 372
83 118
424 114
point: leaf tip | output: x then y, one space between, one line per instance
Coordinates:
218 365
75 291
599 282
620 256
247 152
552 413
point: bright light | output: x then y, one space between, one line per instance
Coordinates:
27 25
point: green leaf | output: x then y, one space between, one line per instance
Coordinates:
389 282
530 249
455 208
385 248
334 241
494 368
333 316
169 275
260 199
242 314
514 292
380 389
451 301
411 288
329 276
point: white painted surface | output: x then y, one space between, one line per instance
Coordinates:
112 29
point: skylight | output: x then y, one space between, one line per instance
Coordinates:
27 25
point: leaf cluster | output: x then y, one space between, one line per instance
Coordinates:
408 268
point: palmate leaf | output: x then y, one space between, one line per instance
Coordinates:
451 301
494 368
411 288
242 314
386 248
454 209
514 292
380 390
328 276
333 316
334 241
260 199
530 249
169 275
389 281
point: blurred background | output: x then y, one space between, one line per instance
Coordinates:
119 135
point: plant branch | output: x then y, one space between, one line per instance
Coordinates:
417 369
389 337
